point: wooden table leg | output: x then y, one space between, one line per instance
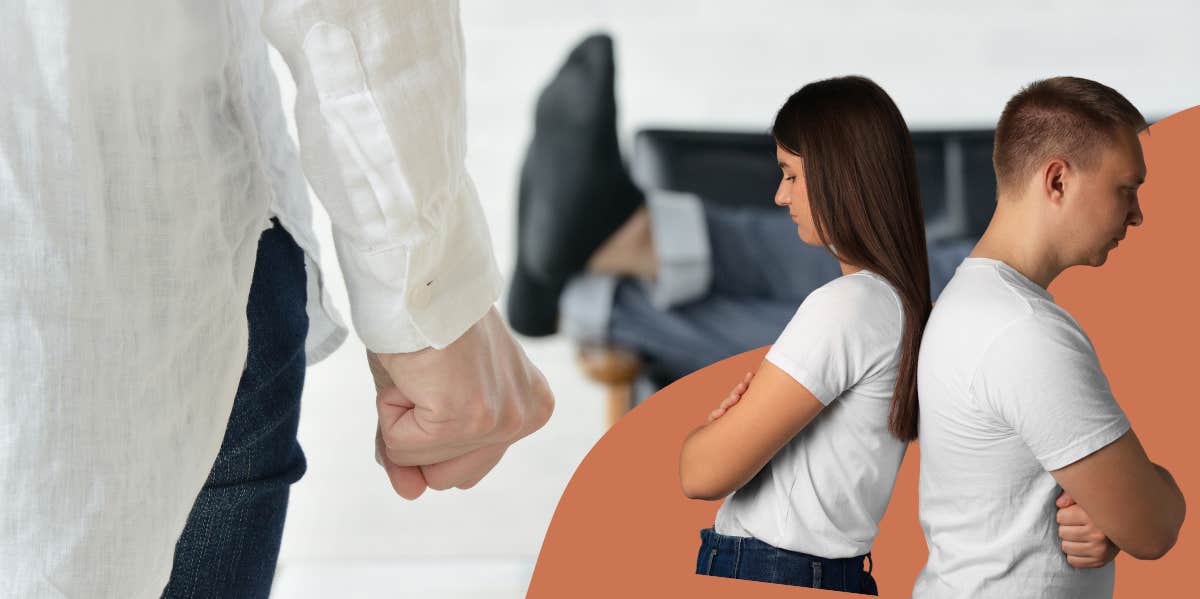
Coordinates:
616 368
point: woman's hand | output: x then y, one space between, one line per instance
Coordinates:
720 456
734 396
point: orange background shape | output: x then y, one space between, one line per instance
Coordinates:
624 529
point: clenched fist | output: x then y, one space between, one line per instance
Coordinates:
447 416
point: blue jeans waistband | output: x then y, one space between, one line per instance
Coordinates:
748 558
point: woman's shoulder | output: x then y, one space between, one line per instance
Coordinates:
859 294
850 326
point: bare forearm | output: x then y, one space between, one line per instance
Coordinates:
1134 502
709 467
1162 514
1174 504
1157 512
721 456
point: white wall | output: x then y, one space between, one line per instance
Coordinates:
696 64
731 64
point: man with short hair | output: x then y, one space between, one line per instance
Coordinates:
1013 401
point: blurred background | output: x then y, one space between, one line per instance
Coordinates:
699 65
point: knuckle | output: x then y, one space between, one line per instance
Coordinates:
544 406
438 485
436 480
1078 562
390 440
509 426
396 457
536 410
483 419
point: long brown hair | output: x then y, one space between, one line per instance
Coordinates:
861 173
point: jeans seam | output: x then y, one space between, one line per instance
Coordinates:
737 557
298 354
250 441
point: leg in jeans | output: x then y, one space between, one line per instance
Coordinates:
752 252
231 541
729 280
759 272
686 338
705 249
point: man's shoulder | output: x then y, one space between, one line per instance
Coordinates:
981 312
980 301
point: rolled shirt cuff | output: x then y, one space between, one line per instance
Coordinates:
681 244
404 299
680 233
585 307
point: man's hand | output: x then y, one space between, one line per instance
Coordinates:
447 416
734 396
1084 544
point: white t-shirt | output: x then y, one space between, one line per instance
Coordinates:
1010 389
825 491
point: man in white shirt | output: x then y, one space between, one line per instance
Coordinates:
1014 404
143 152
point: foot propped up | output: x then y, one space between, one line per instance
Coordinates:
575 190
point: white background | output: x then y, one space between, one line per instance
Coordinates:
703 64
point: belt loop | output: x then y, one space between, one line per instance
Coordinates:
737 555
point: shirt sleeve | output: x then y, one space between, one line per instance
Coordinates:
382 125
841 334
1042 378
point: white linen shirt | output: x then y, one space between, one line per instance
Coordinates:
143 148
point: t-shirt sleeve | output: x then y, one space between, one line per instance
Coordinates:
1041 376
843 333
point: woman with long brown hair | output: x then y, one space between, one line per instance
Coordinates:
811 449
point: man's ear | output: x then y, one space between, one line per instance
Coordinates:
1055 175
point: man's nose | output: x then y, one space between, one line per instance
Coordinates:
1135 216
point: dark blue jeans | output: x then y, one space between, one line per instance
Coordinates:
747 558
230 544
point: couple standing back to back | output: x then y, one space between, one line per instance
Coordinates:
1032 479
